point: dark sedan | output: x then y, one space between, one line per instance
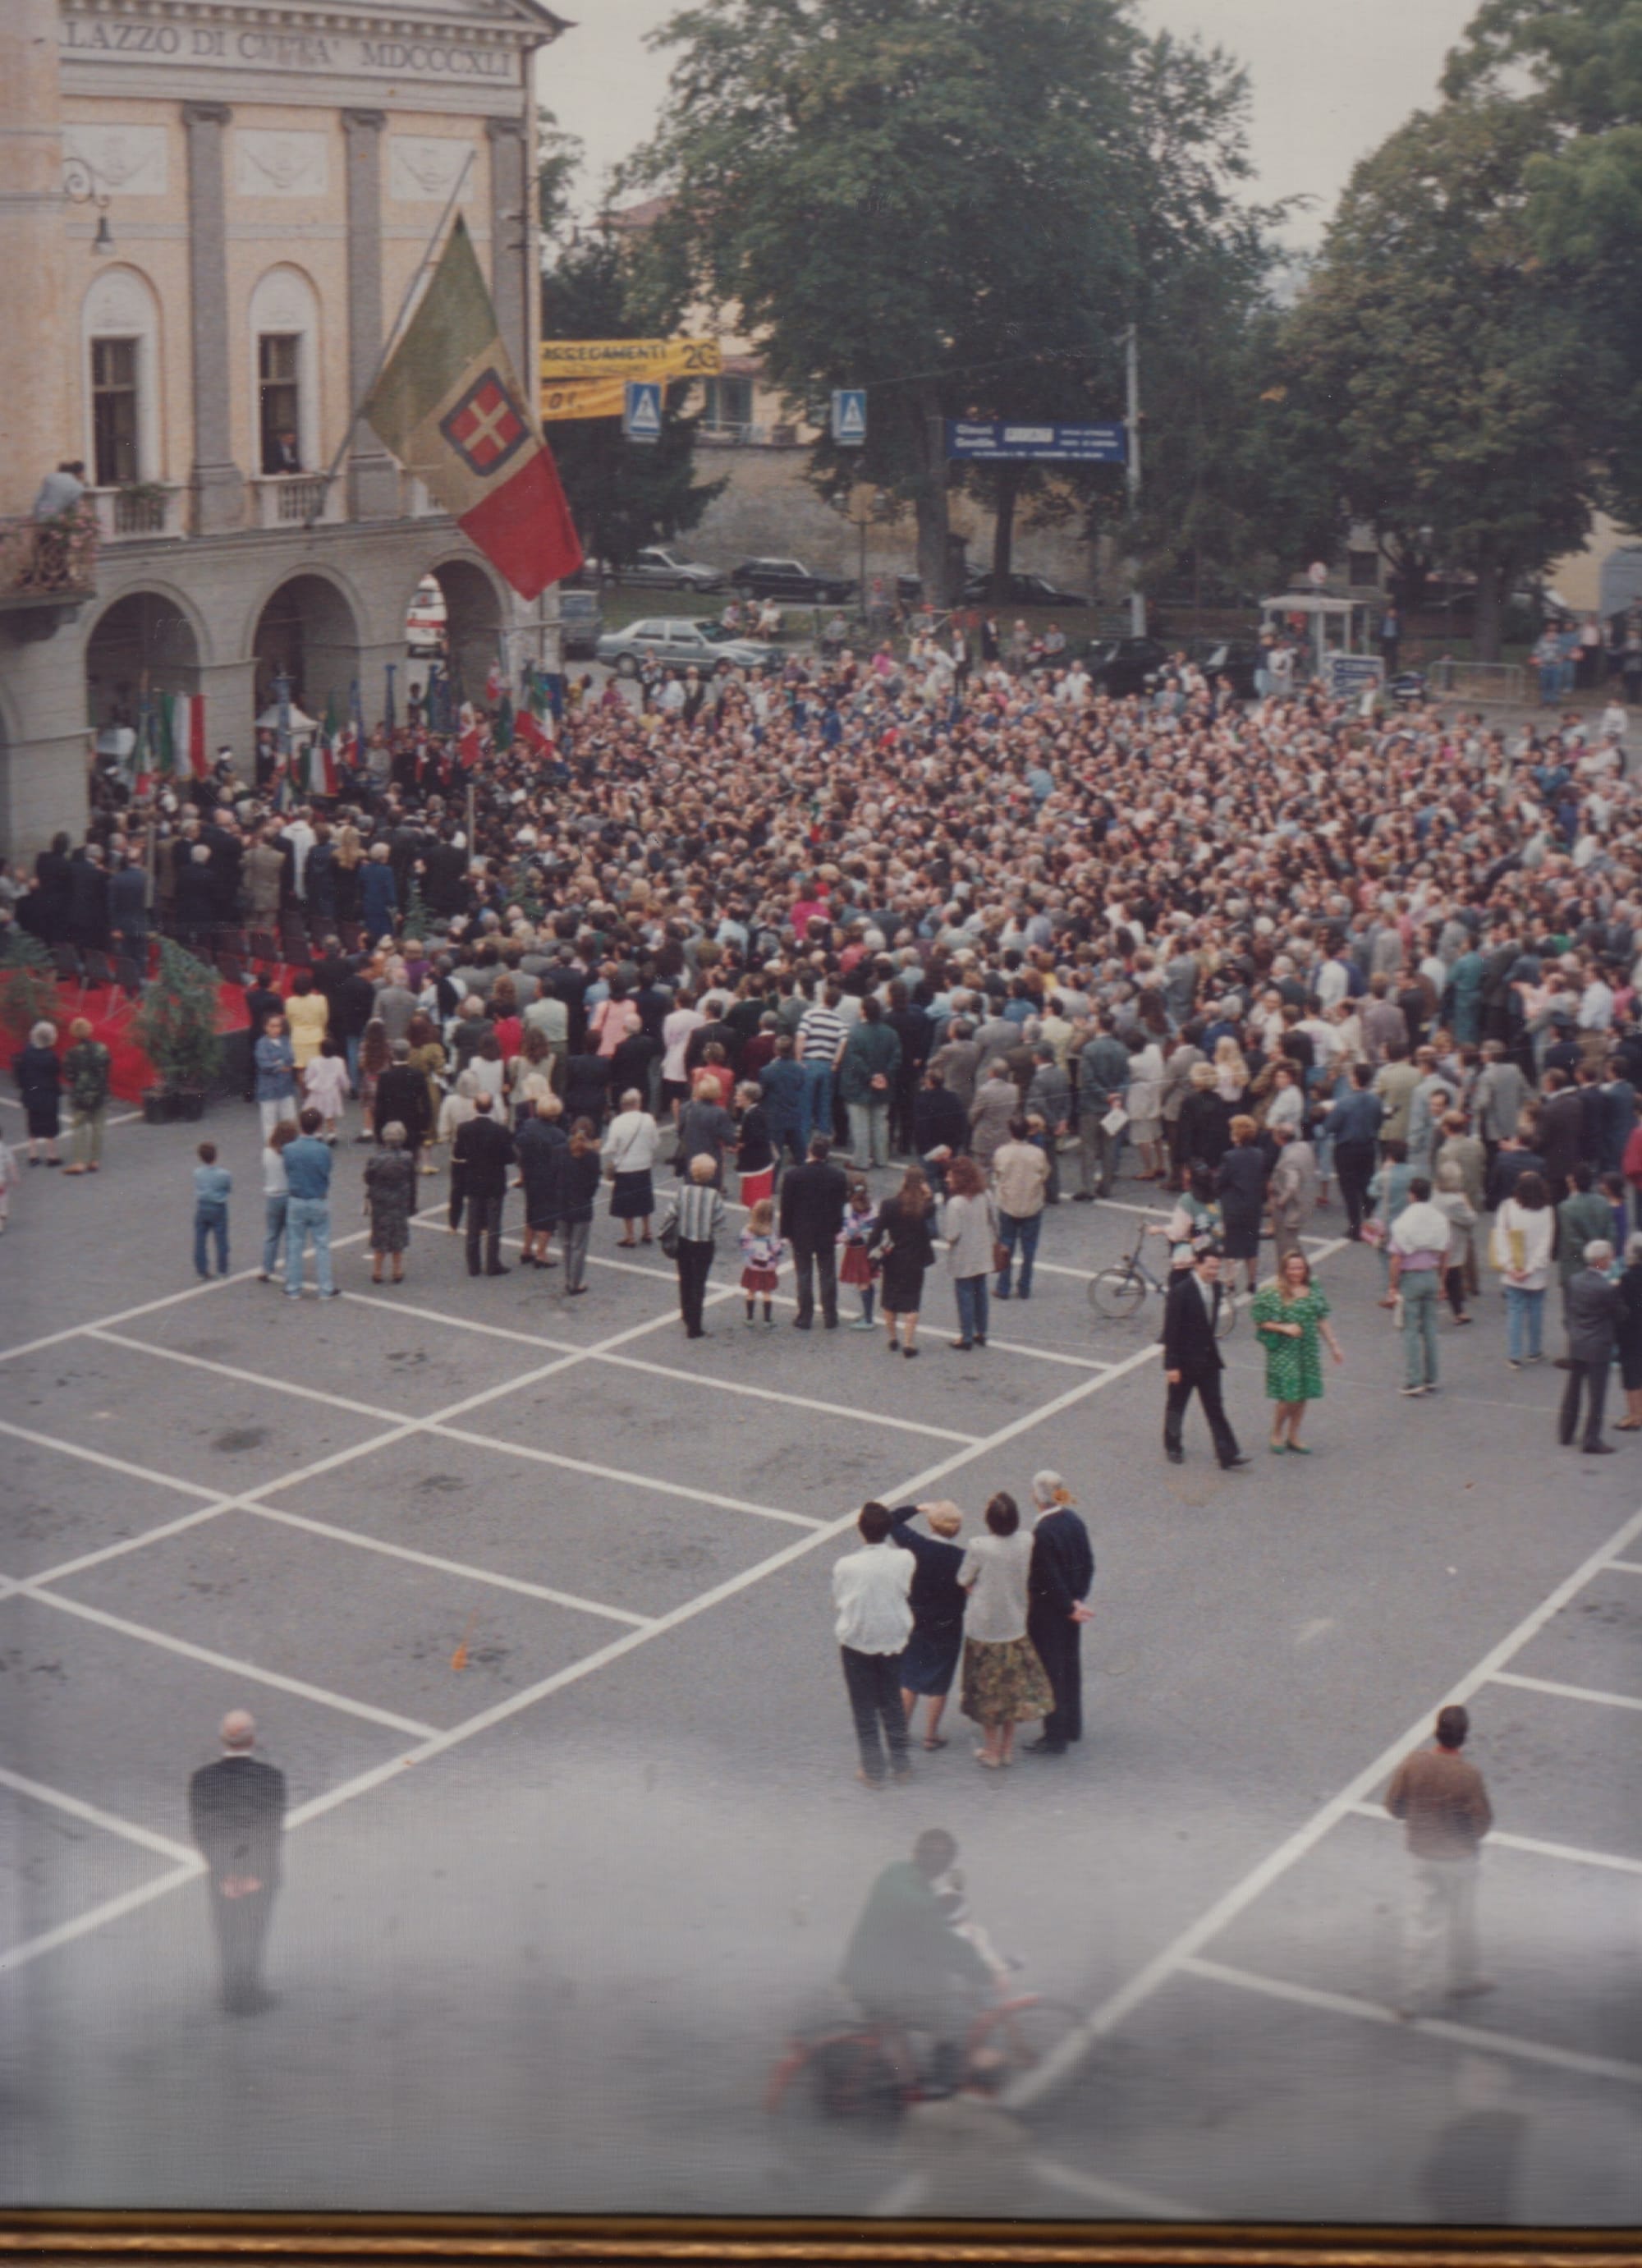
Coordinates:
790 580
1122 665
1020 591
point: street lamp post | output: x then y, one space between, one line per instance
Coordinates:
83 185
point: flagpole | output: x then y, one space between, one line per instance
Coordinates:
392 340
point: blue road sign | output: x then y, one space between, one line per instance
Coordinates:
642 420
848 417
1001 440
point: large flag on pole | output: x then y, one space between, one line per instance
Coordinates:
449 407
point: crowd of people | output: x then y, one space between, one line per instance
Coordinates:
979 926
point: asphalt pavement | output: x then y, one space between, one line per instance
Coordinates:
548 1917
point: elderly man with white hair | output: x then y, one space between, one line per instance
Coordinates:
1058 1577
237 1811
1591 1309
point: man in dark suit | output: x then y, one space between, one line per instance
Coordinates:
1591 1309
1561 1137
236 1812
482 1152
1058 1577
401 1095
813 1199
1192 1358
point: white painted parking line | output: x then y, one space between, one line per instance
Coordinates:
214 1660
91 1456
669 1369
1626 1566
1155 1973
1567 1692
19 1956
468 1574
1370 2012
732 1587
1498 1838
246 1377
38 1793
645 1480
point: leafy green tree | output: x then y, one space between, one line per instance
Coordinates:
1581 62
957 203
1436 368
622 495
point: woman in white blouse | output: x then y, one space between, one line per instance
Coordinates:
1004 1681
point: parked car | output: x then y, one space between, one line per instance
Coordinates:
792 580
662 569
1022 591
1126 664
1234 659
679 643
581 624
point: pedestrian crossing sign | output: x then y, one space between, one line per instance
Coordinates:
642 420
848 417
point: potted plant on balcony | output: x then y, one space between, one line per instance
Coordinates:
175 1027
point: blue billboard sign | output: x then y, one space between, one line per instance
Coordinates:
1013 441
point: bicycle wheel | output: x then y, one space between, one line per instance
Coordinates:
1020 2035
843 2074
1118 1292
1226 1322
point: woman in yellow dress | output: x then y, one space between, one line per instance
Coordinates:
307 1012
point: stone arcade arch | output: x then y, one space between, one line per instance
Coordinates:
145 643
473 611
309 629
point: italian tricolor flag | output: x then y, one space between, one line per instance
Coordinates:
449 407
325 751
179 735
534 724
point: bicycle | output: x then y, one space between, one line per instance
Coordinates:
848 2069
1118 1292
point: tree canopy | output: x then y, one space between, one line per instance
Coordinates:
1435 364
959 204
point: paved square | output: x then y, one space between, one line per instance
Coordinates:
621 1844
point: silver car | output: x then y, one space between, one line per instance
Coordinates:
665 570
677 644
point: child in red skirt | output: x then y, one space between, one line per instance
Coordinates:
761 1251
856 1265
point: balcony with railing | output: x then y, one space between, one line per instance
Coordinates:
147 511
296 499
49 564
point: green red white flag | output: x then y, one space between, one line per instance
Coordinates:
449 407
534 724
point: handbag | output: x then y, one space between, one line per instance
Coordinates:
1000 1258
669 1238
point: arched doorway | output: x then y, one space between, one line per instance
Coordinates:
473 625
308 631
144 644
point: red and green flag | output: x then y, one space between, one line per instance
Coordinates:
534 725
449 407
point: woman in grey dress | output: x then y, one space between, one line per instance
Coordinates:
390 1198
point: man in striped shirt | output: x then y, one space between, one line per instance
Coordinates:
821 1040
698 1210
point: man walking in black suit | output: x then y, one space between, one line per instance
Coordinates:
237 1811
1058 1576
1192 1358
484 1151
813 1199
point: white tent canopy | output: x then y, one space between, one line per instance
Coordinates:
294 717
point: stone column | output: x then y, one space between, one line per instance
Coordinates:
510 236
219 483
373 476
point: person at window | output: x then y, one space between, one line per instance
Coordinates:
283 455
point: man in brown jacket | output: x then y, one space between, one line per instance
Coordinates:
1444 1807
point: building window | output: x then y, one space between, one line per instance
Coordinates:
114 412
279 400
729 405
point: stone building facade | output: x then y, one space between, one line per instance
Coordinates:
215 209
